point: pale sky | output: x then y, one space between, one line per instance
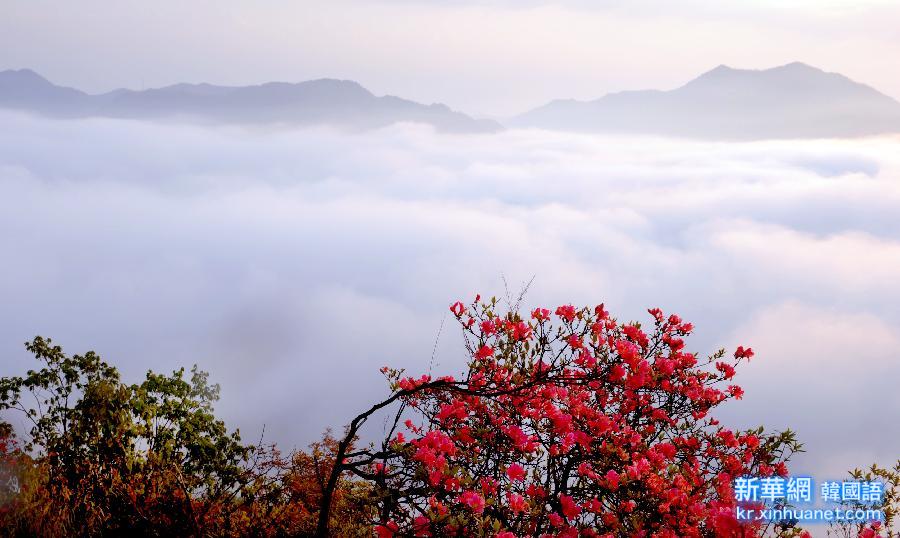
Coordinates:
488 57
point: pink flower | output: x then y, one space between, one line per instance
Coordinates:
612 478
568 506
473 500
421 525
575 341
666 449
488 485
566 312
617 372
484 352
535 491
516 502
488 328
408 383
752 442
457 308
628 351
387 530
781 469
515 472
555 519
635 334
520 331
726 369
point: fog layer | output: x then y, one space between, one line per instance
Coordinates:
292 264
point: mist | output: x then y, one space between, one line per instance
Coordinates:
293 263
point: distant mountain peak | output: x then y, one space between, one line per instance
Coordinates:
342 85
787 101
718 73
22 75
798 66
334 81
721 68
793 67
25 72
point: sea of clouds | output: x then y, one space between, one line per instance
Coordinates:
292 264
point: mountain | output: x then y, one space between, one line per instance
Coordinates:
340 103
791 101
26 90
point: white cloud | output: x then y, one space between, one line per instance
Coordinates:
294 263
829 375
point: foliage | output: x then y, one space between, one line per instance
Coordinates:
151 459
119 454
890 504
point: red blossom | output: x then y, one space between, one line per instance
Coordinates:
484 352
625 416
387 530
575 341
457 308
568 506
566 312
516 502
515 472
488 327
612 479
473 500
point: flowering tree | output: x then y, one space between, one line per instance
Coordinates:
564 424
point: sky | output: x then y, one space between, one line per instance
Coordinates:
491 58
293 263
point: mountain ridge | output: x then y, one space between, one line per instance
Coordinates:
342 103
794 100
788 101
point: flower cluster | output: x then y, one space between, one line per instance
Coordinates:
573 424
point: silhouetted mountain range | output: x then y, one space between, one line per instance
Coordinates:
791 101
327 101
